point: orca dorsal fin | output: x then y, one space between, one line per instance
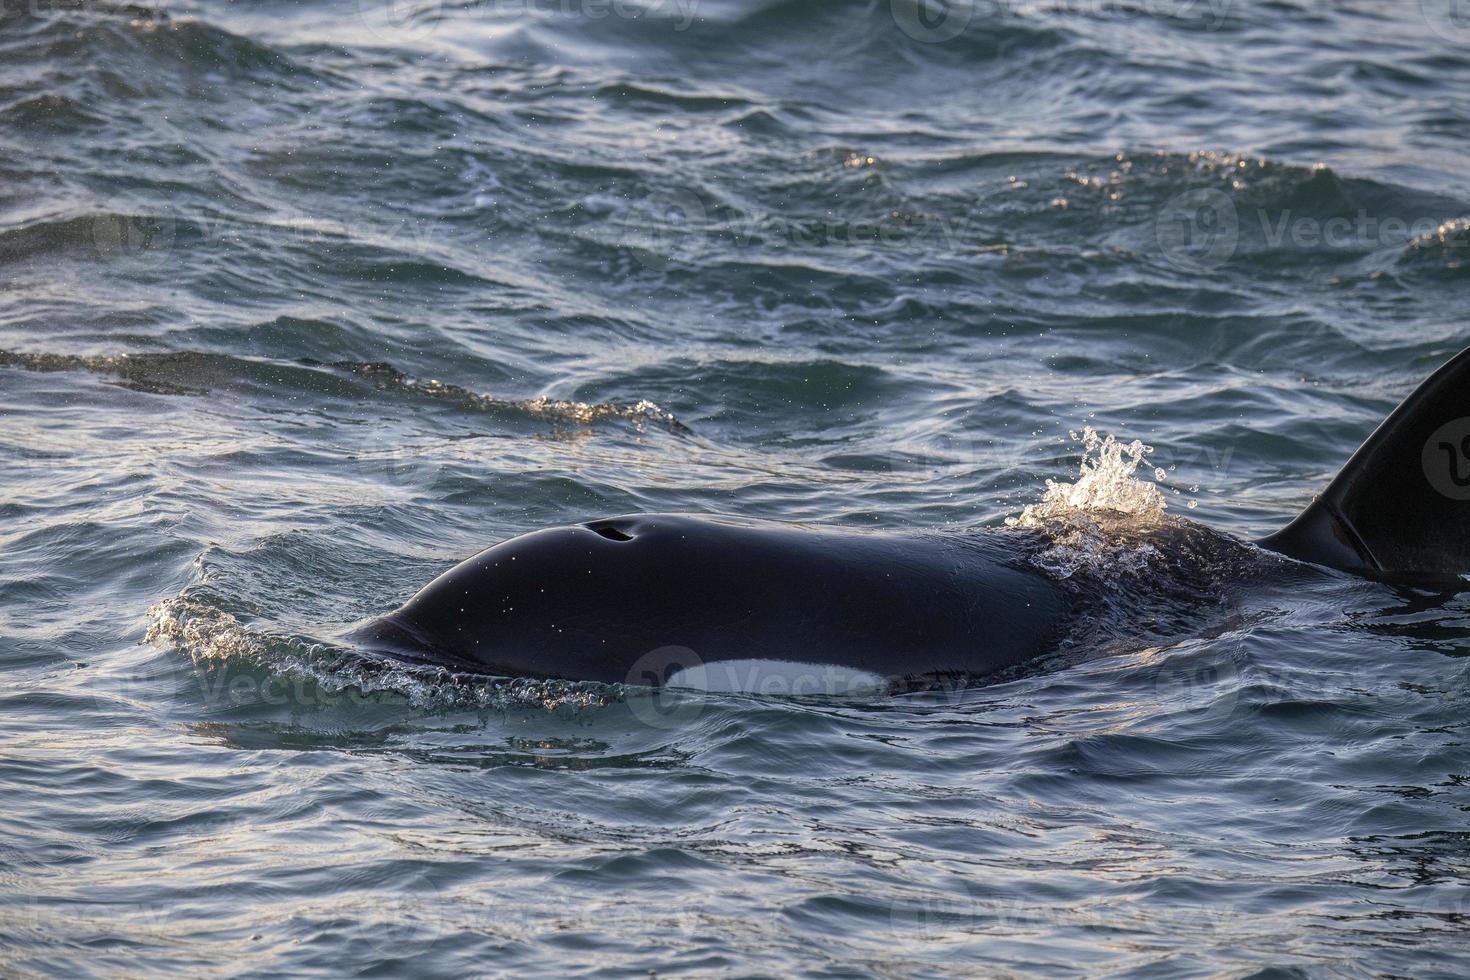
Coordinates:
1400 507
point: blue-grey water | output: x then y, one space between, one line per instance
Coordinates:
301 303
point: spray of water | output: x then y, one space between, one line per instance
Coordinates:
1097 522
224 651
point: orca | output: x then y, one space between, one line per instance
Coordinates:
677 599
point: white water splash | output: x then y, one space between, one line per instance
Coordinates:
1094 523
205 633
1106 482
227 654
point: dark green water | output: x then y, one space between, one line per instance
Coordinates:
302 303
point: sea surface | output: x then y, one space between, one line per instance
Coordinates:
302 303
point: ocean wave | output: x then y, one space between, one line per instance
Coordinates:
178 50
196 373
227 653
1443 253
52 111
562 410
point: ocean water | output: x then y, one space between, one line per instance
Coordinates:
301 303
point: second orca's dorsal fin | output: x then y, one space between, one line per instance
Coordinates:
1400 507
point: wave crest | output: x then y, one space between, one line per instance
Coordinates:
228 654
164 373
